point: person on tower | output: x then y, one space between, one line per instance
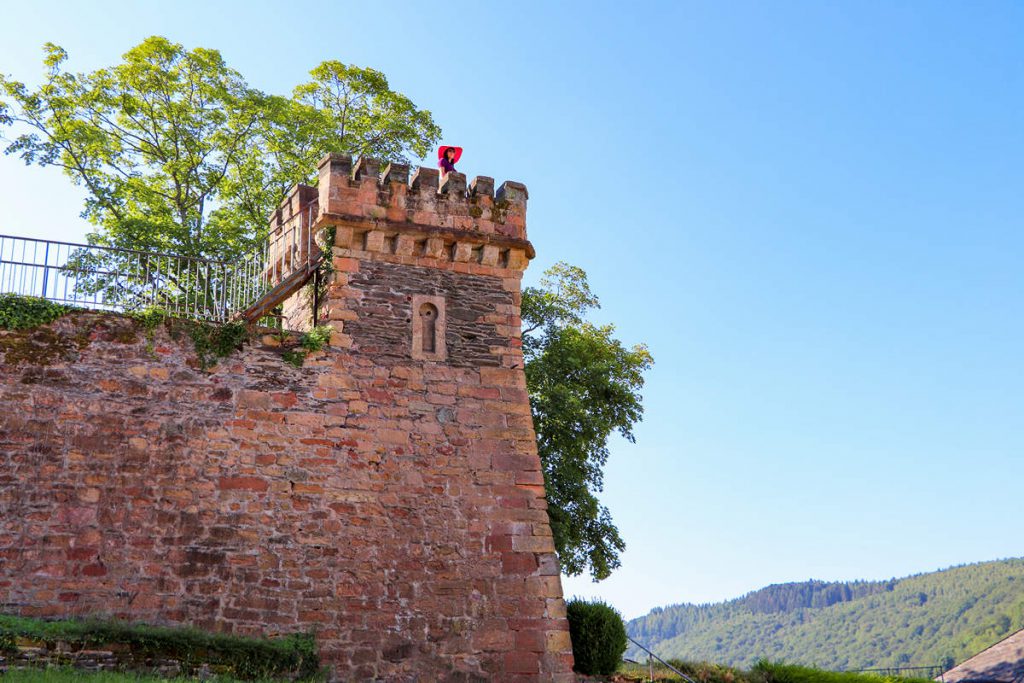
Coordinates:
447 157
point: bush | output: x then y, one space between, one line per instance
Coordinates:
598 637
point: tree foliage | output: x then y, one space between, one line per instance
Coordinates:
584 386
178 153
925 620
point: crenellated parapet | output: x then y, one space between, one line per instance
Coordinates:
388 212
370 191
383 208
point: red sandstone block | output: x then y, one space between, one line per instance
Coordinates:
380 396
346 264
558 641
243 483
480 392
512 607
533 544
502 377
521 663
513 503
89 553
94 570
501 543
531 478
285 399
544 586
76 515
523 678
516 563
317 442
254 399
314 617
526 624
531 641
515 462
495 639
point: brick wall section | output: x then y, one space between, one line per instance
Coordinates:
395 508
395 505
383 314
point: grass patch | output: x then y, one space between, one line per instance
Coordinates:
787 673
763 672
68 675
242 657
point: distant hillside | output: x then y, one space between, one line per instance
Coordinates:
921 620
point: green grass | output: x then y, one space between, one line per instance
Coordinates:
781 673
248 658
764 672
63 675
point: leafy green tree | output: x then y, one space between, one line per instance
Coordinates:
343 108
584 385
179 154
150 139
366 116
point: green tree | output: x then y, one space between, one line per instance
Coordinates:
179 154
150 139
343 108
584 385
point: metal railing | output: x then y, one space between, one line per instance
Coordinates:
114 279
935 672
652 657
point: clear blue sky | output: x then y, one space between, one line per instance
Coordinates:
813 213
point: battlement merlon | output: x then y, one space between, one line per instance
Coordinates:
379 207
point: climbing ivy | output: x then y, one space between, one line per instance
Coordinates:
311 341
24 312
150 319
214 342
211 341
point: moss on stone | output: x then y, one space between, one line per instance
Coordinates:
40 346
499 209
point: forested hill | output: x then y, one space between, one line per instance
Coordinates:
921 620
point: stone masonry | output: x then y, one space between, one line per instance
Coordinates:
387 495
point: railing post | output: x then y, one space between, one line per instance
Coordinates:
224 291
46 267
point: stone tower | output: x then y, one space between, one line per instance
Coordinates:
424 287
387 494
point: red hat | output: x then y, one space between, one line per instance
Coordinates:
445 148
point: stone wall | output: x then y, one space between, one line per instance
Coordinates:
386 496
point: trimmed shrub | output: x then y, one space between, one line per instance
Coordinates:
598 637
